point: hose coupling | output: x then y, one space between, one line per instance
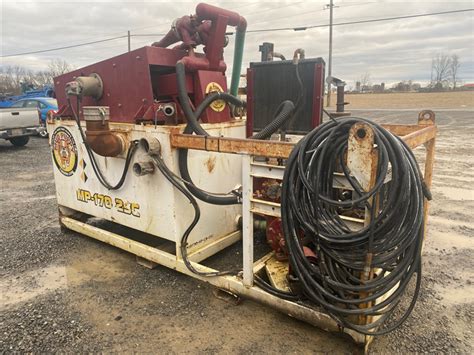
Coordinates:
101 139
143 168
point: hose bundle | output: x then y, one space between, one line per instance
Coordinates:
390 243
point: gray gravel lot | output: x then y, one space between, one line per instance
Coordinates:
65 292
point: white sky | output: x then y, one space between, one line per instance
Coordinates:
389 51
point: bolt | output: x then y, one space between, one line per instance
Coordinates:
361 133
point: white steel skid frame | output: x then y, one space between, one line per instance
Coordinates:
243 284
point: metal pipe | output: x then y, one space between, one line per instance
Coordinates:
340 98
238 55
279 55
143 168
100 138
331 6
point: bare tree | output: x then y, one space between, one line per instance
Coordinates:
453 70
58 67
12 78
440 71
365 81
16 79
43 78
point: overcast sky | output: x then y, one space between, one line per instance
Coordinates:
390 51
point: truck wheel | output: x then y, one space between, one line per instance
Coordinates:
19 141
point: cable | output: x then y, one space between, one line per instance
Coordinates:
391 242
300 28
131 150
170 176
275 291
177 177
303 28
65 47
193 125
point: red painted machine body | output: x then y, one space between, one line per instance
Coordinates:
135 81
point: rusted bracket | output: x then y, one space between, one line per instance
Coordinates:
272 149
413 135
420 136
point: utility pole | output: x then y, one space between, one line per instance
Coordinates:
128 37
331 6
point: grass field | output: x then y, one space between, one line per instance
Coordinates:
432 100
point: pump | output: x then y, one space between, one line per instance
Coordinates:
155 141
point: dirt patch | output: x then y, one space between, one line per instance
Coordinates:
417 100
101 300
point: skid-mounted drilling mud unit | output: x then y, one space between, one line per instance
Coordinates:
153 141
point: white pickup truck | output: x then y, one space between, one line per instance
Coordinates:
18 124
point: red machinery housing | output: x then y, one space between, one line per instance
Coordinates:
141 85
137 83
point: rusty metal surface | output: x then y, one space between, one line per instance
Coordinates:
400 129
272 149
420 136
277 270
361 154
413 135
426 117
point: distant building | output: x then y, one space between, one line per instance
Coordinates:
378 87
406 86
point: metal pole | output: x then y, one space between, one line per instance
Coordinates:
331 5
128 37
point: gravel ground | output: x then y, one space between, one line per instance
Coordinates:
65 292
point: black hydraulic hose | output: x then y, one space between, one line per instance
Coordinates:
184 101
274 291
170 176
194 126
283 114
393 238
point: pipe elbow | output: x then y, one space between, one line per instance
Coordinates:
100 138
210 12
242 26
106 143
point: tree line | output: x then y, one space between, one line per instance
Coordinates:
14 79
445 72
444 76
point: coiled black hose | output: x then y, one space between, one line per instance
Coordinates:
392 240
284 113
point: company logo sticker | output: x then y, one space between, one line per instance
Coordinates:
218 105
64 151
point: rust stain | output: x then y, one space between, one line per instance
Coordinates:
275 149
211 164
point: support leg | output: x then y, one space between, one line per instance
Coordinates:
247 222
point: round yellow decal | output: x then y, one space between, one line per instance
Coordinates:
217 105
64 151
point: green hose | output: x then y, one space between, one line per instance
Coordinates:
238 54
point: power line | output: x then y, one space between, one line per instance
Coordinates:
305 13
65 47
303 28
108 39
